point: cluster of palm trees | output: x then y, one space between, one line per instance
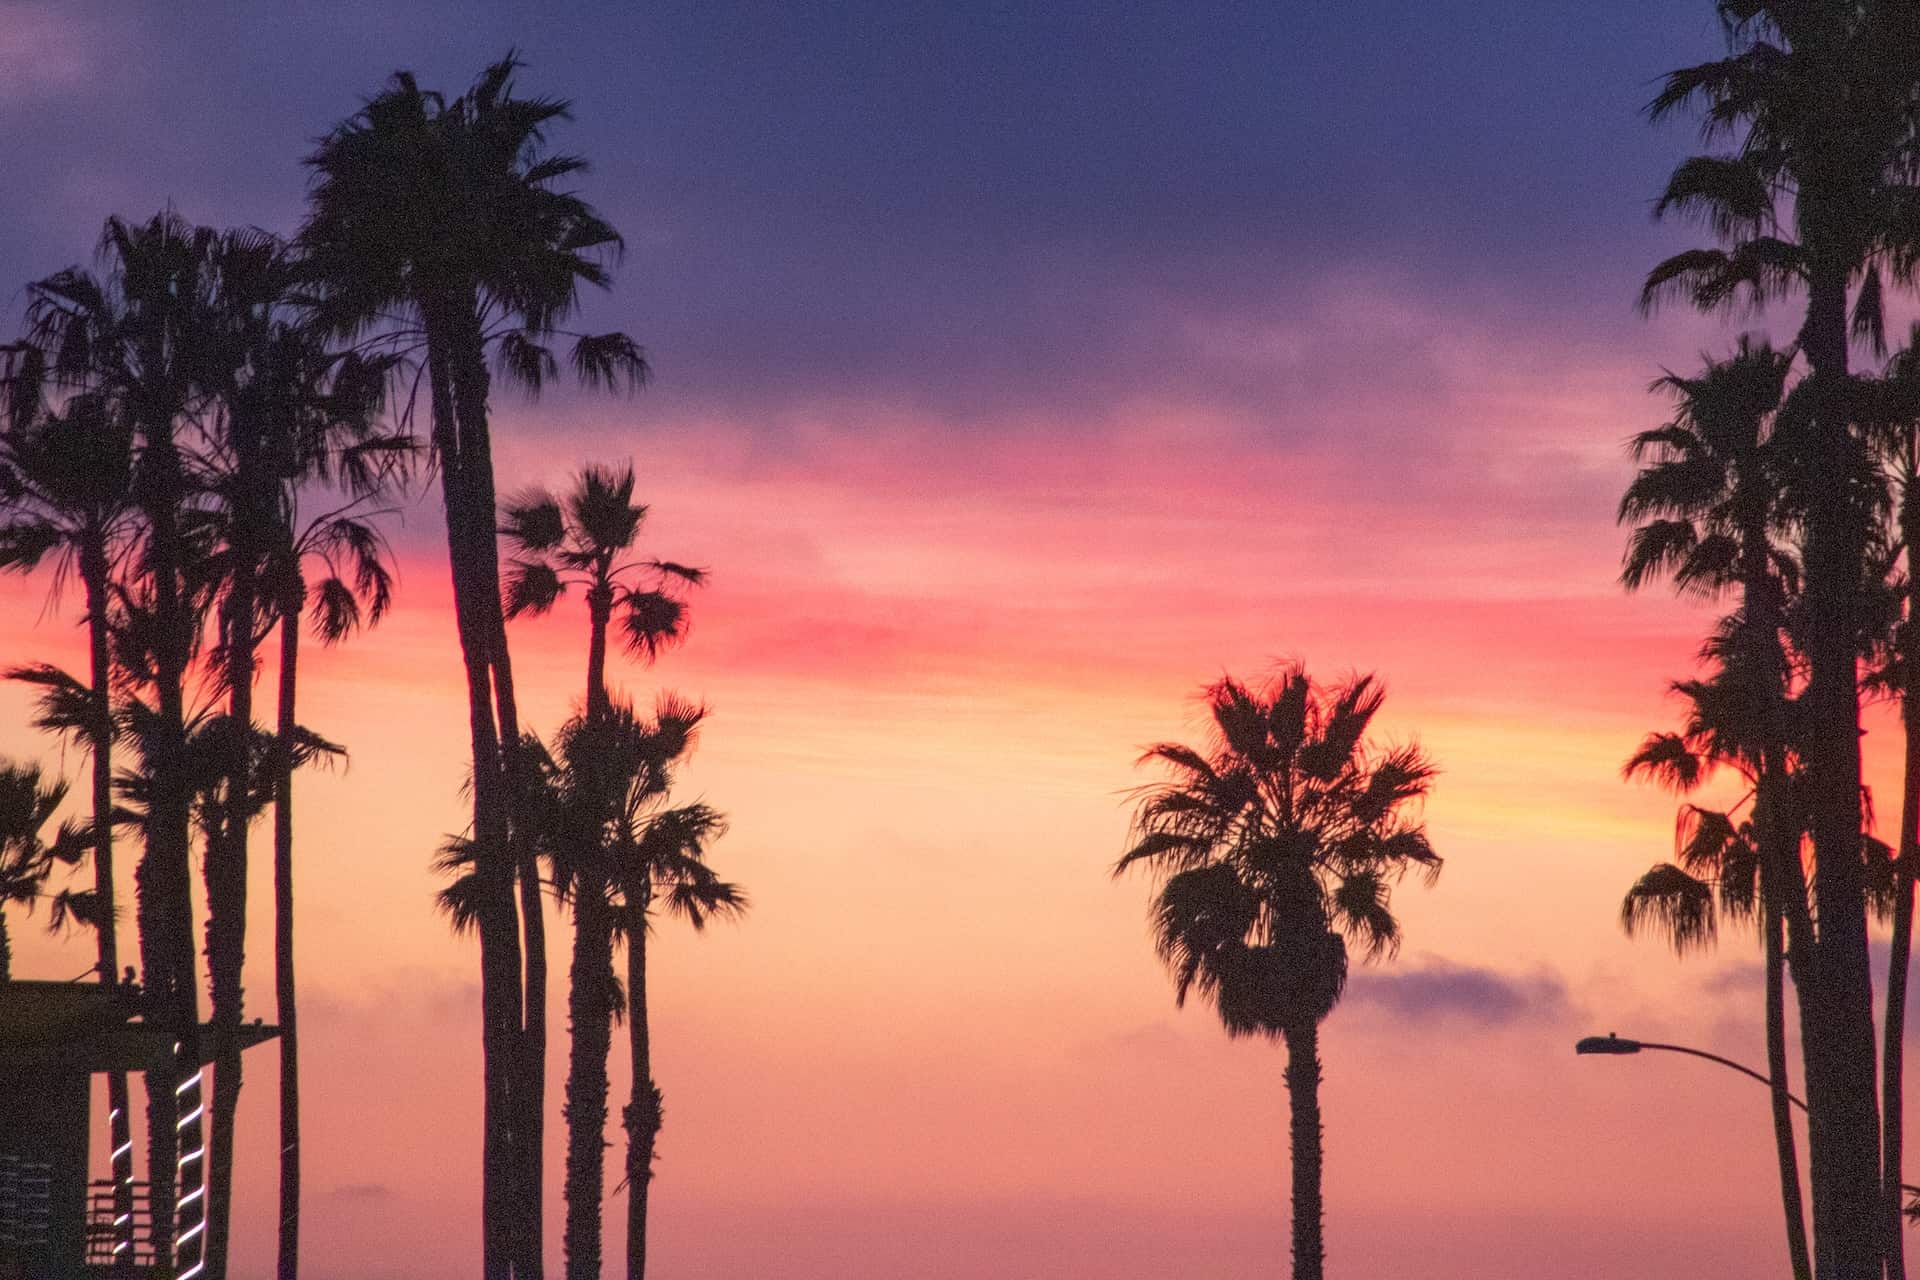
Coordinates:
1787 484
1783 485
205 432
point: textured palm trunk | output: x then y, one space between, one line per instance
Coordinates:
1843 1111
1303 1097
497 924
286 1007
643 1113
470 388
1892 1115
94 571
168 856
599 614
1784 1144
1778 841
227 903
589 996
591 984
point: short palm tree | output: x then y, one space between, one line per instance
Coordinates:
1274 848
1728 866
450 214
618 853
656 864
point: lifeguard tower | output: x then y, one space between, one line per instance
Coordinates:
56 1222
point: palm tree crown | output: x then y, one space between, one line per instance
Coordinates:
1279 845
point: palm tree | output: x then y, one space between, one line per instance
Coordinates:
448 213
1708 510
291 410
1732 867
27 804
1817 98
354 588
586 544
656 862
615 850
1896 423
136 338
1273 848
65 484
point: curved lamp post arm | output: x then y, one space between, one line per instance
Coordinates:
1725 1062
1613 1045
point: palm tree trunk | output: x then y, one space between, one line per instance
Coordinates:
286 1010
169 849
227 906
1843 1119
470 387
1892 1113
1783 1139
94 570
599 614
643 1113
1303 1096
497 926
589 996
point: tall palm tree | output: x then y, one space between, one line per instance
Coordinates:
587 543
1896 423
290 410
448 213
27 804
1708 510
65 486
353 587
1817 99
1273 848
135 336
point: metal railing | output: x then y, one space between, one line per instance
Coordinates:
116 1237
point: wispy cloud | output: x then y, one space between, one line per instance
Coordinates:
1437 990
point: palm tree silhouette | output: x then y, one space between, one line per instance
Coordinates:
136 338
655 862
1729 866
354 587
615 850
587 543
1895 427
447 211
1708 510
293 411
1273 848
1816 98
65 486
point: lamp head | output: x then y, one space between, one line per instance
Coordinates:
1608 1043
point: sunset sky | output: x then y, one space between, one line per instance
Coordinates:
1021 368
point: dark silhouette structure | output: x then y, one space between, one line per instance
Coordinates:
54 1037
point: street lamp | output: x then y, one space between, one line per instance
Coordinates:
1611 1044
